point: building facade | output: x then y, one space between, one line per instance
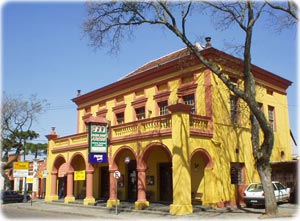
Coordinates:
176 134
36 180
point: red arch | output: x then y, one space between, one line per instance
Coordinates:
74 156
59 160
150 147
204 152
117 155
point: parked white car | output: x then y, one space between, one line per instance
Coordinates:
254 194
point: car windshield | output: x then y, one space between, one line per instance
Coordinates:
255 187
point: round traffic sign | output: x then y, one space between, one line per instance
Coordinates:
117 174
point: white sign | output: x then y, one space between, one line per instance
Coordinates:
117 174
20 173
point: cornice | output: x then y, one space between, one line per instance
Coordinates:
174 65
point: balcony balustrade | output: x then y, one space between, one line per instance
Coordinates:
146 128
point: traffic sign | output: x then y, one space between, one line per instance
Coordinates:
117 174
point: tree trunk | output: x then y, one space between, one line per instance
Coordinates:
264 170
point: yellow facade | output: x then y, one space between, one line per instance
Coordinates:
191 153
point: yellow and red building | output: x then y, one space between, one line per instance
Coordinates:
176 134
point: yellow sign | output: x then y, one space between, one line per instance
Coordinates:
21 166
79 175
29 179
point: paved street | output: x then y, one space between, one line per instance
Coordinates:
42 210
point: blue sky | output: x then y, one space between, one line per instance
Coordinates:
44 52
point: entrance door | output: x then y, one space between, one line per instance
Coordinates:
132 181
104 183
166 182
62 187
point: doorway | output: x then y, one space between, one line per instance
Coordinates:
104 180
166 182
132 181
62 187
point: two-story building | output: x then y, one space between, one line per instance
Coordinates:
176 134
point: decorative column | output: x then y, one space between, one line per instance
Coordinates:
112 190
53 185
89 199
141 201
51 181
181 159
70 178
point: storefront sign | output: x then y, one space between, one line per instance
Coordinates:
21 166
97 158
20 169
98 138
79 175
29 179
20 173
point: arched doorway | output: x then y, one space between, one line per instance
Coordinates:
159 180
200 160
127 184
79 167
58 177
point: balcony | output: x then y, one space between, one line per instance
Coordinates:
72 142
142 129
159 127
201 126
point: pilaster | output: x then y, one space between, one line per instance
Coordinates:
181 160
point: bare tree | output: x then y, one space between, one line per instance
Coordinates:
18 116
108 23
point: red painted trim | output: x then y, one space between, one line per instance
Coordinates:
162 96
69 148
180 108
208 93
177 65
140 102
210 163
102 113
119 108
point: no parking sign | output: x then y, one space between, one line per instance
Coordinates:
117 174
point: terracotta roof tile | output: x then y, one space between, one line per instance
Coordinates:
160 61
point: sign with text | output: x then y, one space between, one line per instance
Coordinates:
20 169
21 166
20 173
97 158
79 175
29 179
98 138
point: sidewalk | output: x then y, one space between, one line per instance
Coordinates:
155 211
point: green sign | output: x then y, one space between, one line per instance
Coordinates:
98 138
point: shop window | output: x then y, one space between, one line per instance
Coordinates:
120 118
234 109
190 100
271 114
140 113
163 108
